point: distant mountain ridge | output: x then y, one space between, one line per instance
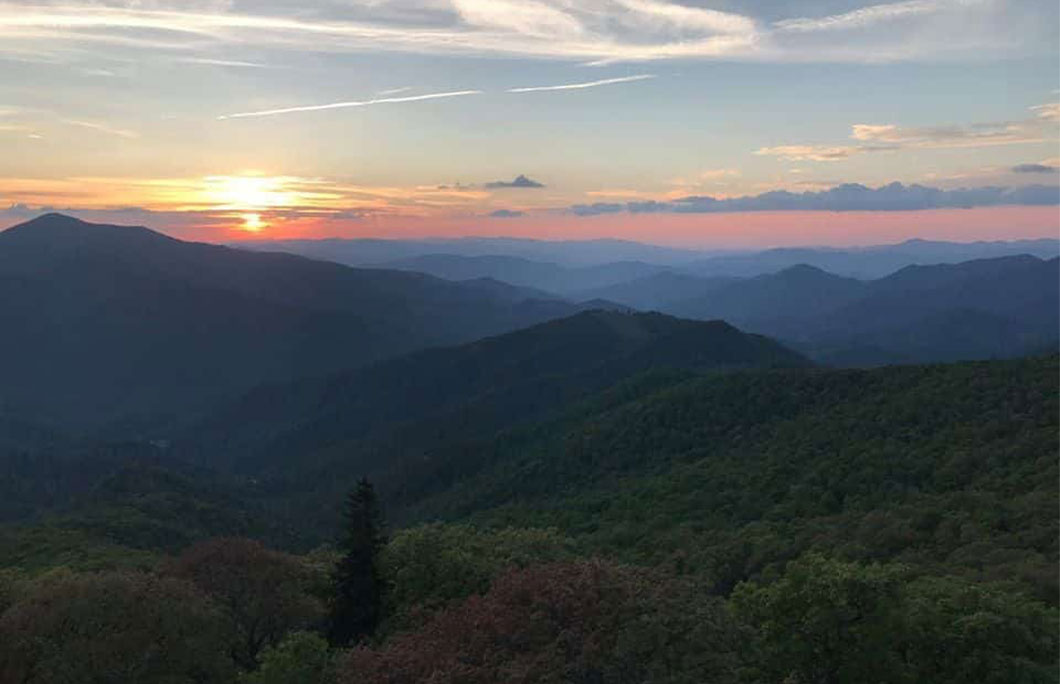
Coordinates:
513 376
105 321
478 257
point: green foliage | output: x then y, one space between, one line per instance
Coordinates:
836 622
301 658
357 603
825 622
894 525
430 565
114 627
36 548
949 469
957 631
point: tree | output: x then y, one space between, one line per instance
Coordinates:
826 622
586 622
265 593
301 658
957 630
429 566
833 622
357 604
114 627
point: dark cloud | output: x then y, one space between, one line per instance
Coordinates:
846 197
520 181
597 208
1034 168
507 213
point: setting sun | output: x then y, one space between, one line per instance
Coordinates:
252 223
243 193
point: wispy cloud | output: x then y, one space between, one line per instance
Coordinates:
225 63
344 105
818 153
579 86
602 31
269 195
867 16
102 128
890 137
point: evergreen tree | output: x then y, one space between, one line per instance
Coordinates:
358 599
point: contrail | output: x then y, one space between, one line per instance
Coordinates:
343 105
578 86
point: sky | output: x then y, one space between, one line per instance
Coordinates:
712 123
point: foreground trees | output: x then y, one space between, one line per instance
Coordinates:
566 622
481 608
264 593
357 604
114 628
832 622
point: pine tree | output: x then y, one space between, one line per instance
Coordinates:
358 599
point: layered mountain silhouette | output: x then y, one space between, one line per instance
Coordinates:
537 263
452 394
565 280
1002 307
104 321
868 262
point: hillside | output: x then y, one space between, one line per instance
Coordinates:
289 450
104 322
715 526
950 468
397 420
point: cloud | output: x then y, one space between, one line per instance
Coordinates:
507 213
1047 112
1034 168
598 208
819 153
579 86
225 63
520 182
344 105
845 197
287 196
976 135
890 137
865 16
597 30
102 128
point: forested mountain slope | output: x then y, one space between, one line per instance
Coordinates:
948 466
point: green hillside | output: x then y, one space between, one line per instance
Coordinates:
952 468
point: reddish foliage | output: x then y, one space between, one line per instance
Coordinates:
551 623
264 592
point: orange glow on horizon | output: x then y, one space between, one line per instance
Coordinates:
752 230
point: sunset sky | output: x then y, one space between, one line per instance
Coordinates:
667 122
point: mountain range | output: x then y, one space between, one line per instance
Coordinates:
537 263
108 321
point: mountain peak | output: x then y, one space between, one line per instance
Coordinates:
47 221
804 273
55 230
